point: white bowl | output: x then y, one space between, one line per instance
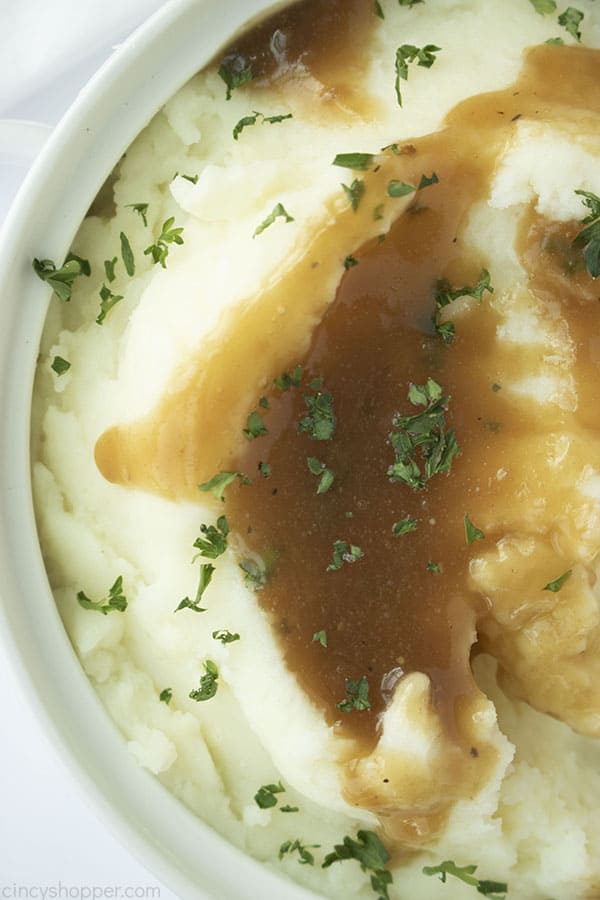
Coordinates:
181 849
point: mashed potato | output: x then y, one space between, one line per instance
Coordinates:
256 204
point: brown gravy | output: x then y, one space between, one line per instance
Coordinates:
387 613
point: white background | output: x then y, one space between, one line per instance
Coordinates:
49 835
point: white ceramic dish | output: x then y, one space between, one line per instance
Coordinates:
183 851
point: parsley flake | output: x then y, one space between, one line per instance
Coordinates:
219 482
141 209
168 235
472 532
289 809
497 890
556 585
320 421
372 856
107 301
357 696
264 469
305 856
246 121
115 601
358 162
109 269
206 574
209 683
404 526
288 380
61 279
355 192
60 365
193 179
225 636
320 469
422 446
166 695
379 10
320 637
279 212
235 71
589 237
434 567
254 577
342 553
265 795
571 19
544 7
428 181
255 427
127 255
407 54
214 540
445 295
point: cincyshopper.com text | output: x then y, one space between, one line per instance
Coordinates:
61 891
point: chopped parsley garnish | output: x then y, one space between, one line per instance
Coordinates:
289 809
407 54
428 181
209 682
357 696
589 237
109 269
379 10
358 162
320 637
409 3
214 540
571 19
472 532
404 526
235 71
372 856
378 212
544 7
127 255
264 469
61 279
344 553
556 585
558 41
434 567
225 636
287 380
354 192
254 575
107 301
255 427
320 469
320 421
141 209
60 365
193 179
168 235
306 858
497 890
116 601
445 295
279 212
254 118
166 695
422 446
263 403
265 795
349 262
206 574
219 482
400 189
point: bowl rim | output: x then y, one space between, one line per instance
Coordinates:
110 111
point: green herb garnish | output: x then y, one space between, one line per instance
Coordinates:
61 279
497 890
214 542
289 809
193 179
116 601
349 262
208 683
109 269
225 636
445 295
127 255
404 526
320 637
544 7
265 795
400 189
354 192
107 301
60 365
320 421
434 567
379 10
218 483
472 533
320 469
344 553
287 380
357 696
558 41
372 856
556 585
235 71
206 574
255 427
168 235
264 469
141 209
358 162
254 118
279 212
306 858
589 237
428 181
407 54
254 577
422 446
571 19
166 695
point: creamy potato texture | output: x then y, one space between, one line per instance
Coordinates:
459 601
